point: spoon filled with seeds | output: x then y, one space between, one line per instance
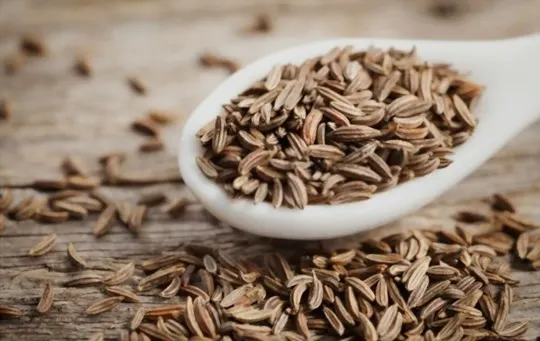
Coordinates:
336 137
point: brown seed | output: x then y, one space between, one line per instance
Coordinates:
172 289
191 319
82 66
432 308
298 189
159 277
152 144
146 126
354 133
414 275
502 203
46 300
44 246
51 217
74 256
104 221
10 311
6 199
316 293
121 275
88 203
128 295
366 328
74 210
503 309
137 318
262 23
136 218
471 217
83 182
252 160
362 288
211 60
514 329
166 311
161 116
27 208
124 209
151 330
137 85
49 184
463 111
177 208
522 245
152 199
104 305
207 168
84 280
390 258
390 324
334 321
5 110
32 45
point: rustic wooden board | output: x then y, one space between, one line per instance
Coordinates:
57 113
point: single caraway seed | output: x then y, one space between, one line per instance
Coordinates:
146 126
32 45
152 199
104 305
161 116
5 109
83 182
137 85
152 144
74 166
43 246
262 23
74 256
212 60
49 184
136 218
82 66
177 207
129 296
84 280
104 221
2 222
74 210
46 300
9 311
120 276
51 217
137 318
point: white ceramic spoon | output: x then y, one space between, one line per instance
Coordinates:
510 70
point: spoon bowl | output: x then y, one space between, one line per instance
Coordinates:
508 69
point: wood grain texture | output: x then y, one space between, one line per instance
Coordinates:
57 113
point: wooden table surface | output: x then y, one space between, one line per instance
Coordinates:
56 113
